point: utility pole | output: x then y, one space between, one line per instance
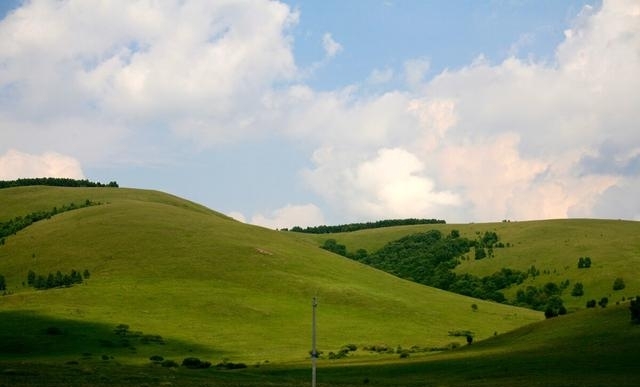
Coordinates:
314 351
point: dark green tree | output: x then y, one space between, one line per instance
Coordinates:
578 289
31 278
3 283
603 302
480 253
618 284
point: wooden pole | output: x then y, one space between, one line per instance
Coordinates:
314 351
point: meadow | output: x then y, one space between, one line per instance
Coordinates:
187 281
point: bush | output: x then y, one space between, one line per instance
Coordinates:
591 304
618 284
230 366
578 289
195 363
603 302
156 358
169 364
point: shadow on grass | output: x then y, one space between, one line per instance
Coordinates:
26 334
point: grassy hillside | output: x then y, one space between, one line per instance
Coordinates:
553 246
208 285
588 348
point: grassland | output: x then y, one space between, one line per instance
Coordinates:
552 246
210 286
588 348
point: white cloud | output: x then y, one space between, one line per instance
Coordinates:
197 67
15 165
331 47
514 139
390 184
303 215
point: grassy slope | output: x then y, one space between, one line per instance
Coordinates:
211 286
551 245
588 348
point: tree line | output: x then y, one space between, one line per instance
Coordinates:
55 182
56 280
20 222
363 226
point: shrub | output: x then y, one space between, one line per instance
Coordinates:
578 289
603 302
195 363
170 364
156 358
618 284
230 366
591 304
351 347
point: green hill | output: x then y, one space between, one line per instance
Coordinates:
209 286
552 246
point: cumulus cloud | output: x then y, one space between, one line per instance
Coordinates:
515 139
197 67
303 215
15 165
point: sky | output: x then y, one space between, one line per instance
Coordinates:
285 113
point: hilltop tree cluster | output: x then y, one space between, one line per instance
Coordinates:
363 226
55 182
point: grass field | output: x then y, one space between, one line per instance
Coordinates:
553 246
210 286
588 348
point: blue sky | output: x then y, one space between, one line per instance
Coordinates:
325 112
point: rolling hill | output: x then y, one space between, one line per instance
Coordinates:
208 285
552 246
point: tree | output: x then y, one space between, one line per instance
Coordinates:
618 284
480 253
603 302
578 289
31 278
591 304
3 283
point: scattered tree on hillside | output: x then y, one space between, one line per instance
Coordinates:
3 283
603 302
618 284
584 262
479 253
578 289
591 304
